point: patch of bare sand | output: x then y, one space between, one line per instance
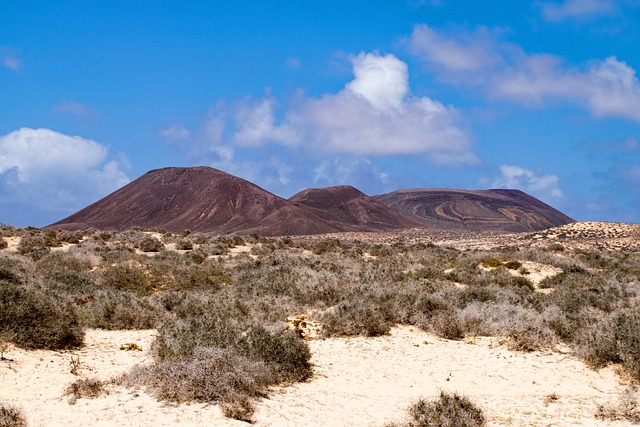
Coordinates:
358 381
370 381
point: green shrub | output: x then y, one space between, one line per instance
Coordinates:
449 410
10 416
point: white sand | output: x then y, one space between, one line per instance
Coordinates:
357 381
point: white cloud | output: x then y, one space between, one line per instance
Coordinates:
545 187
48 171
467 52
256 124
175 132
605 88
578 9
375 114
381 80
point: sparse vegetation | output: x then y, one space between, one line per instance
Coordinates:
10 416
219 309
85 388
449 410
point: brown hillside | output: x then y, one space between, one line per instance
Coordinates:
352 207
199 199
481 210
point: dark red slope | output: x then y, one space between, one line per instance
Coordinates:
199 199
351 207
481 210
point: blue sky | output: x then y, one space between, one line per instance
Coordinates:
537 95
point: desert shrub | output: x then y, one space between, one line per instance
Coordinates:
127 277
184 245
150 244
326 246
113 310
210 374
38 320
492 262
447 324
449 410
3 243
526 328
10 416
627 407
208 358
350 318
615 338
85 388
35 246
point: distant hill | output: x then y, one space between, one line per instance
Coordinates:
351 207
211 201
479 210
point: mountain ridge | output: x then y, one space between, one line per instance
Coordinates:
208 200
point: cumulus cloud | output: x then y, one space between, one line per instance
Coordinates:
545 187
375 114
47 171
605 87
578 9
256 124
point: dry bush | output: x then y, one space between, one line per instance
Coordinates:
614 339
3 243
526 328
114 310
350 318
10 416
150 244
209 359
449 410
85 388
626 409
38 320
127 277
34 246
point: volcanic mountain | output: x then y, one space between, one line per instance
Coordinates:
199 199
351 207
479 210
211 201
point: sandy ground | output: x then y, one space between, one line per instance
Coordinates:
357 382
